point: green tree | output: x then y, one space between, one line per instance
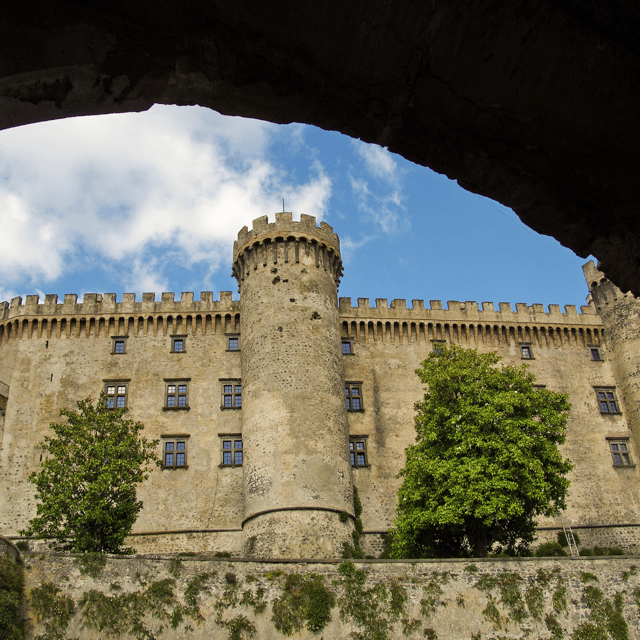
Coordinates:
86 485
486 461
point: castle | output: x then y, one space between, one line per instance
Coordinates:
269 410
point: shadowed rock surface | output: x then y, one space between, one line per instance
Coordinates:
532 103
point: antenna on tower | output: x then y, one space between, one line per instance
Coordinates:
282 205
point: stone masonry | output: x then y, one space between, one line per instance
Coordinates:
254 393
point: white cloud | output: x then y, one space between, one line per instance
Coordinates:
349 246
89 192
144 277
385 210
7 294
378 161
378 191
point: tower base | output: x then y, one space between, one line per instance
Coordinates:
296 534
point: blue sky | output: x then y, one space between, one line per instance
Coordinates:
153 201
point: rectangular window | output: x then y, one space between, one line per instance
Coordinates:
620 452
596 354
174 452
119 344
347 347
176 394
233 343
231 394
526 352
178 344
607 401
116 392
358 451
353 393
232 453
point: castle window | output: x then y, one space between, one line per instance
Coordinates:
116 392
231 448
596 354
234 343
526 352
178 344
119 344
438 345
620 452
174 452
231 394
358 451
347 347
353 393
607 400
176 396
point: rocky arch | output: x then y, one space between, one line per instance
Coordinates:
530 102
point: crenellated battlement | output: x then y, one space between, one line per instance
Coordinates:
96 304
284 227
285 241
457 311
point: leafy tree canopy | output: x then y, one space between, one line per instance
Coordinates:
86 485
486 461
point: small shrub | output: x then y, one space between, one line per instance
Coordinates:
251 545
616 551
230 578
239 627
357 503
11 597
221 554
273 575
52 609
562 539
91 563
175 567
387 539
549 549
304 598
23 545
586 552
585 576
344 516
554 627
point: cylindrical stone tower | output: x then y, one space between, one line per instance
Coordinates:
297 474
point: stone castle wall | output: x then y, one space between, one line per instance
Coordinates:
448 600
387 350
53 354
59 358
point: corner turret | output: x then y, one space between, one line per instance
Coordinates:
620 314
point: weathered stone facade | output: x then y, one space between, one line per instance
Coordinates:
447 600
263 419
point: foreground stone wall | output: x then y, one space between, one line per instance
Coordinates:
221 598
